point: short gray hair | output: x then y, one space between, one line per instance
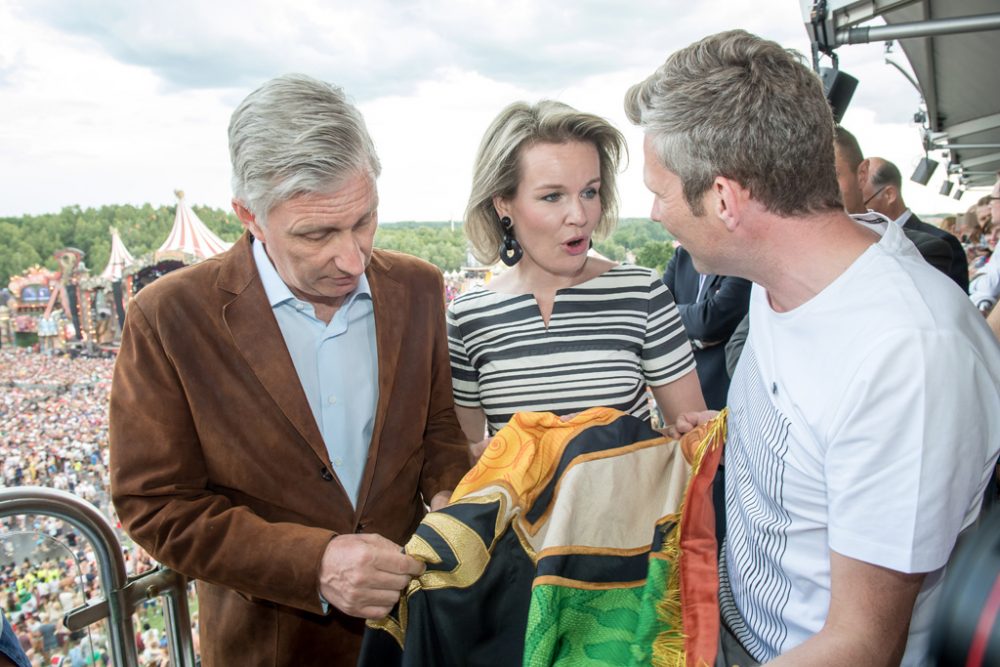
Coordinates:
295 135
497 170
741 107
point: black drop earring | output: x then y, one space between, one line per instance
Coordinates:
510 249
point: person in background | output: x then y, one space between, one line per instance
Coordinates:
882 189
949 223
848 160
984 290
984 213
843 506
711 307
11 653
561 330
281 414
969 230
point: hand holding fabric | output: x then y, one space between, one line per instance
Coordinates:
440 499
362 575
688 421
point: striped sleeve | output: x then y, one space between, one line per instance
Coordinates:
464 377
666 351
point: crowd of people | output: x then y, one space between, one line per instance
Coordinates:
54 433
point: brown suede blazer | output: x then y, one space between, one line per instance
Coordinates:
219 470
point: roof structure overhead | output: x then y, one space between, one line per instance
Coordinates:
952 49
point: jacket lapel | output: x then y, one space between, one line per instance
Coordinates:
392 312
258 338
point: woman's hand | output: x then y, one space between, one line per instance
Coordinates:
688 421
476 449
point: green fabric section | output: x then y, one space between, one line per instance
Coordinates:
569 626
649 625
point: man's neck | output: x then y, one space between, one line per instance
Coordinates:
800 257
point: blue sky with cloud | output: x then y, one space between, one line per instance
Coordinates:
122 102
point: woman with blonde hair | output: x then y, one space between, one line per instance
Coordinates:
948 224
562 329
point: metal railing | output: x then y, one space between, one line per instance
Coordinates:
121 593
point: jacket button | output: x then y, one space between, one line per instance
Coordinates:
326 474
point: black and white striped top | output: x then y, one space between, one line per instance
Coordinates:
607 339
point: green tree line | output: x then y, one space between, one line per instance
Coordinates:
32 239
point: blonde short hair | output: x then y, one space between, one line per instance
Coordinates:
497 170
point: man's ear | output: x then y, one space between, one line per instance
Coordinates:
863 170
249 220
728 200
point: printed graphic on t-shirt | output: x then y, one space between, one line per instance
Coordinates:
754 588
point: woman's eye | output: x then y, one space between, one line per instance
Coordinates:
554 196
590 193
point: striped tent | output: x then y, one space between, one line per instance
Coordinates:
189 235
119 260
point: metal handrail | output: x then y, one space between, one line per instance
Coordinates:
121 594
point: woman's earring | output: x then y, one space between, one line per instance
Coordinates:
510 249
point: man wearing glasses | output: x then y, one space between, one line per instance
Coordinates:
882 188
985 288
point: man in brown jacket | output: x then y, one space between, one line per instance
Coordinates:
281 413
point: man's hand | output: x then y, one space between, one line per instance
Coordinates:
362 575
439 500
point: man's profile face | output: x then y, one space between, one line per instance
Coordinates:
320 244
671 209
847 179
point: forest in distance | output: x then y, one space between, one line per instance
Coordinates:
31 240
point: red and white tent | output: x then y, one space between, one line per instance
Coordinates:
119 260
190 235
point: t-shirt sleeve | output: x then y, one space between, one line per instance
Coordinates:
985 288
464 377
666 351
908 458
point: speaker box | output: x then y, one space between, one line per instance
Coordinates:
839 88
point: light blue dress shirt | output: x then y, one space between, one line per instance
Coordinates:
337 364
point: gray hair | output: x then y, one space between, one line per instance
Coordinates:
741 107
497 170
295 135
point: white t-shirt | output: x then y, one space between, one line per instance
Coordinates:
865 421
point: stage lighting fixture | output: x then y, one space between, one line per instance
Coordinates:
959 191
946 188
924 169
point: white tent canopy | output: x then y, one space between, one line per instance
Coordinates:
190 235
119 260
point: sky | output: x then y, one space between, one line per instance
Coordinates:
124 101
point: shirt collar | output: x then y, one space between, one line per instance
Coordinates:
904 216
276 289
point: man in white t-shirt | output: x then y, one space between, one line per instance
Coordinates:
865 409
